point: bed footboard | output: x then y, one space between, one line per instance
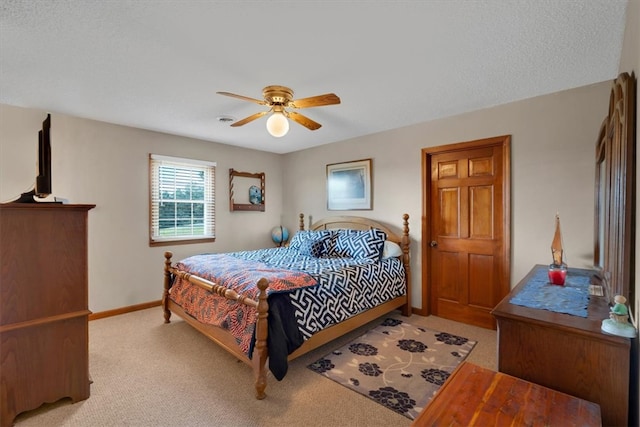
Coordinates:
260 352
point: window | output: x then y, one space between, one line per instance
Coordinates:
182 194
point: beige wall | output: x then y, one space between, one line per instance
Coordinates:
553 140
106 165
553 152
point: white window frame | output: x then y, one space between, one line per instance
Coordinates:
180 235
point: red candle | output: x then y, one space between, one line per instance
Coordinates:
557 276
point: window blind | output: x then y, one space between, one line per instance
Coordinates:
182 194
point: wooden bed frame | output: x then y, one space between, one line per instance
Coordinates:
260 353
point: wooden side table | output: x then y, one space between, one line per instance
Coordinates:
476 396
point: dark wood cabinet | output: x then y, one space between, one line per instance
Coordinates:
44 334
566 353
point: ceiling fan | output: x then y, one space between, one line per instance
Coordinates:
278 98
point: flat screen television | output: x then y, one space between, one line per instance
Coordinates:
42 186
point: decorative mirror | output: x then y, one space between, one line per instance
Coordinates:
615 190
249 184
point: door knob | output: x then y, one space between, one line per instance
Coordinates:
433 243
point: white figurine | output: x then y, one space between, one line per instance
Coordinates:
618 321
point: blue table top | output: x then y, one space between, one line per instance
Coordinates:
572 298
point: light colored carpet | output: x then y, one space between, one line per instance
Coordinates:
147 373
397 364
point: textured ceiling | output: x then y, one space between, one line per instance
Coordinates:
158 64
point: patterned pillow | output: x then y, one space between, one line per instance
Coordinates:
358 244
310 243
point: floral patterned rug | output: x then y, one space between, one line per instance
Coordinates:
396 364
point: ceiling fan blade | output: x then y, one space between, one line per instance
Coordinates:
244 98
248 119
303 120
315 101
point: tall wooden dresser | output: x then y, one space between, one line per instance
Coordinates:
44 332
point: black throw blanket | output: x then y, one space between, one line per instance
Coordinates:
284 336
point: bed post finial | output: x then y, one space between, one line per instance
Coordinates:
405 225
301 225
167 285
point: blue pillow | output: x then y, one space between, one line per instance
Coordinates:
310 243
358 244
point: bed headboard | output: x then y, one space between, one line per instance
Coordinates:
358 223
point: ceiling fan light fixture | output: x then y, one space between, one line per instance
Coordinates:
277 124
277 98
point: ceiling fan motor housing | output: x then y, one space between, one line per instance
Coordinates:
279 95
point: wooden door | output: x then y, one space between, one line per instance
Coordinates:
466 234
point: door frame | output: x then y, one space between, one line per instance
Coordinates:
427 153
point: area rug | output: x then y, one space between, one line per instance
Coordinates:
396 364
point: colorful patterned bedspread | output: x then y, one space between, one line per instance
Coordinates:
240 275
312 294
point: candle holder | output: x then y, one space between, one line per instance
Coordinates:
557 270
557 274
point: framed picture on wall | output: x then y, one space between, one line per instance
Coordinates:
349 185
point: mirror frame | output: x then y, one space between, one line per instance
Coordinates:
233 206
614 233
